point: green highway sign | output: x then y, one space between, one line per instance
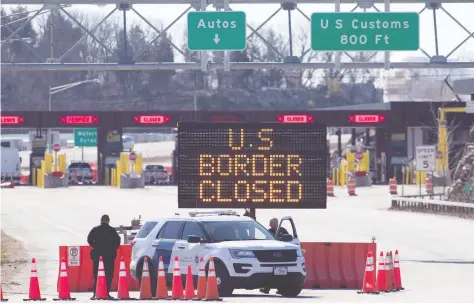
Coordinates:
365 31
85 137
217 31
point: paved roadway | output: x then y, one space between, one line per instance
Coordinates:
437 252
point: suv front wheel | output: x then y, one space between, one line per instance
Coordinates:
290 290
223 281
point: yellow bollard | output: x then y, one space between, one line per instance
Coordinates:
343 173
350 162
118 173
48 159
139 164
62 163
106 176
123 163
113 178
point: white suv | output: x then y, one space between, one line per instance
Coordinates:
247 256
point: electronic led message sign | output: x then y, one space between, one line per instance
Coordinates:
251 165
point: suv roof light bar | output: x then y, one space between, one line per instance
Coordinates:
208 213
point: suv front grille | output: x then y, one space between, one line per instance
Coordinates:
275 255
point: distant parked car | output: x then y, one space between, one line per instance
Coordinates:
155 174
80 173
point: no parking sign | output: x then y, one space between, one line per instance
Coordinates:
74 256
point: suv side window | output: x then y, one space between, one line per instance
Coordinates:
192 228
171 230
146 229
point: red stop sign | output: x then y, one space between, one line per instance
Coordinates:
132 156
56 147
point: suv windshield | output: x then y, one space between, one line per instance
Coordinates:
220 231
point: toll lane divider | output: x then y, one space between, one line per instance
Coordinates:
335 265
328 265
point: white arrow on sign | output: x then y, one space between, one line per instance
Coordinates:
216 38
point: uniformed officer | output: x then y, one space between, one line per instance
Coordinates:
274 226
104 241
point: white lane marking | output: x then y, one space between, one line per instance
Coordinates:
59 227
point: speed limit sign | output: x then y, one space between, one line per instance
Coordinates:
426 158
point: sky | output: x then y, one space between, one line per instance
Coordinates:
449 33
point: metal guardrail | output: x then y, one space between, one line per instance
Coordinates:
433 206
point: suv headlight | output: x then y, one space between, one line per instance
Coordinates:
237 254
299 252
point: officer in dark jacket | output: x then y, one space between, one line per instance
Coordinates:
104 241
274 227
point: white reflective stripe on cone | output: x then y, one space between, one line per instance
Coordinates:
122 273
101 273
122 265
63 274
161 273
101 265
176 273
34 274
63 265
369 268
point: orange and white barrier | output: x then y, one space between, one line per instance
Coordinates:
392 183
429 185
330 187
334 266
351 187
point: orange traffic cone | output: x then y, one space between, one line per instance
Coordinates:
388 272
369 276
381 285
145 286
1 294
64 292
212 292
202 282
391 273
161 288
189 291
34 294
177 289
101 291
123 293
397 273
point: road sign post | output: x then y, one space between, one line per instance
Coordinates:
426 158
85 137
365 31
217 31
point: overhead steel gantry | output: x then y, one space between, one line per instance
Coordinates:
289 61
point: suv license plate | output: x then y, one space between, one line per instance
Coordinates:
280 271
